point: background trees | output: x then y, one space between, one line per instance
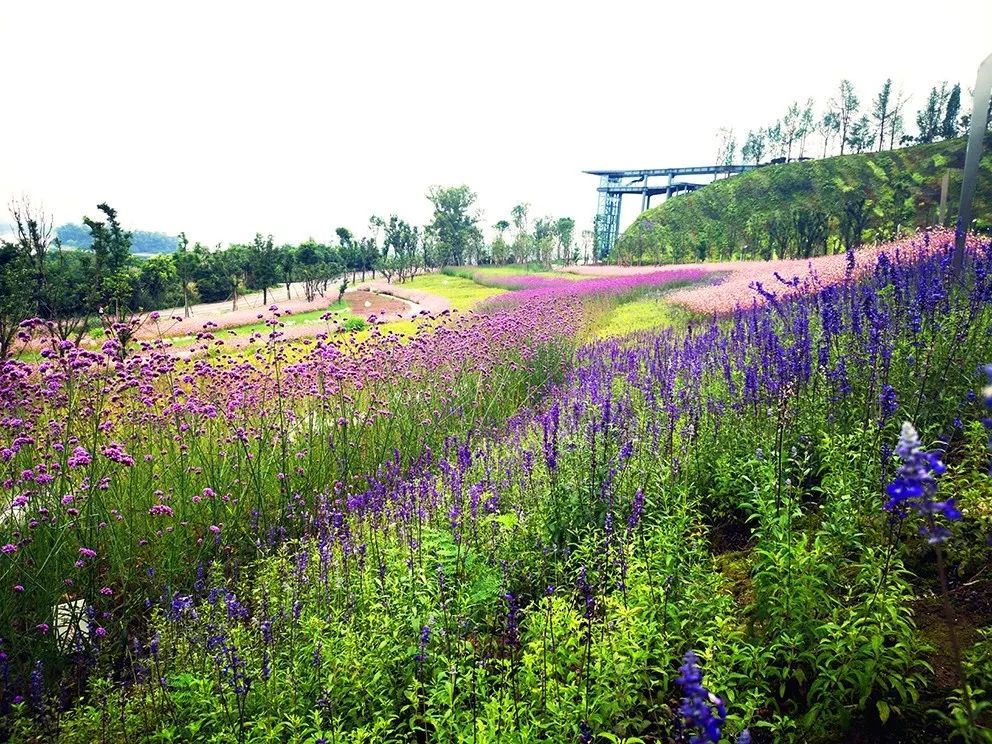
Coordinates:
32 236
782 211
454 227
843 126
263 265
845 107
16 296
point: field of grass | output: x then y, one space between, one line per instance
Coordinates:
497 532
339 311
461 292
641 314
518 270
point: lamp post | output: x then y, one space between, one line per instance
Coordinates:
976 136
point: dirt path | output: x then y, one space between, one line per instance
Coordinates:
222 315
366 304
417 300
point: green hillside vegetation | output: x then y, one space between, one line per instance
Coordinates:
808 208
142 241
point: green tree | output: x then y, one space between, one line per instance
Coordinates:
726 146
113 282
523 248
754 147
854 219
158 282
499 250
400 239
67 277
212 276
828 128
287 267
185 261
790 128
519 215
454 227
806 126
564 229
930 119
317 265
881 110
776 146
949 126
349 250
32 236
16 296
860 137
845 107
263 263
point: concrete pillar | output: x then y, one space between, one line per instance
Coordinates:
973 153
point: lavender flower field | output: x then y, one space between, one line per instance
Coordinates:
501 530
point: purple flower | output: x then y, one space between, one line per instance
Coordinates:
425 638
915 485
636 510
115 451
512 620
701 710
37 687
79 458
585 733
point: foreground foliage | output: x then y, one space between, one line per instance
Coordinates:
717 491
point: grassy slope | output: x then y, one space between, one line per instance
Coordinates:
902 187
463 293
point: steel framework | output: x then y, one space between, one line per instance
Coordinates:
613 184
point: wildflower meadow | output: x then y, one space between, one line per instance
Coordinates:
769 521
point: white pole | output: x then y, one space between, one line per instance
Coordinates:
976 135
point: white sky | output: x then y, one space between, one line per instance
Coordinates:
291 118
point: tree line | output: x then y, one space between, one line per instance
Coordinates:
95 278
846 124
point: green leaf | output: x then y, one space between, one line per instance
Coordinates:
883 710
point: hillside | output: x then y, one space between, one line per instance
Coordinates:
807 208
142 241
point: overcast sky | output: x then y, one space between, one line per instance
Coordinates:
226 118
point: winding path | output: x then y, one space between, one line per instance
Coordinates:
417 300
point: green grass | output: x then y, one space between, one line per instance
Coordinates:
524 269
462 293
340 309
641 314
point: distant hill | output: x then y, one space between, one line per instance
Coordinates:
77 236
808 208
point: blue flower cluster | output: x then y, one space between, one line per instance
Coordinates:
915 485
700 709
